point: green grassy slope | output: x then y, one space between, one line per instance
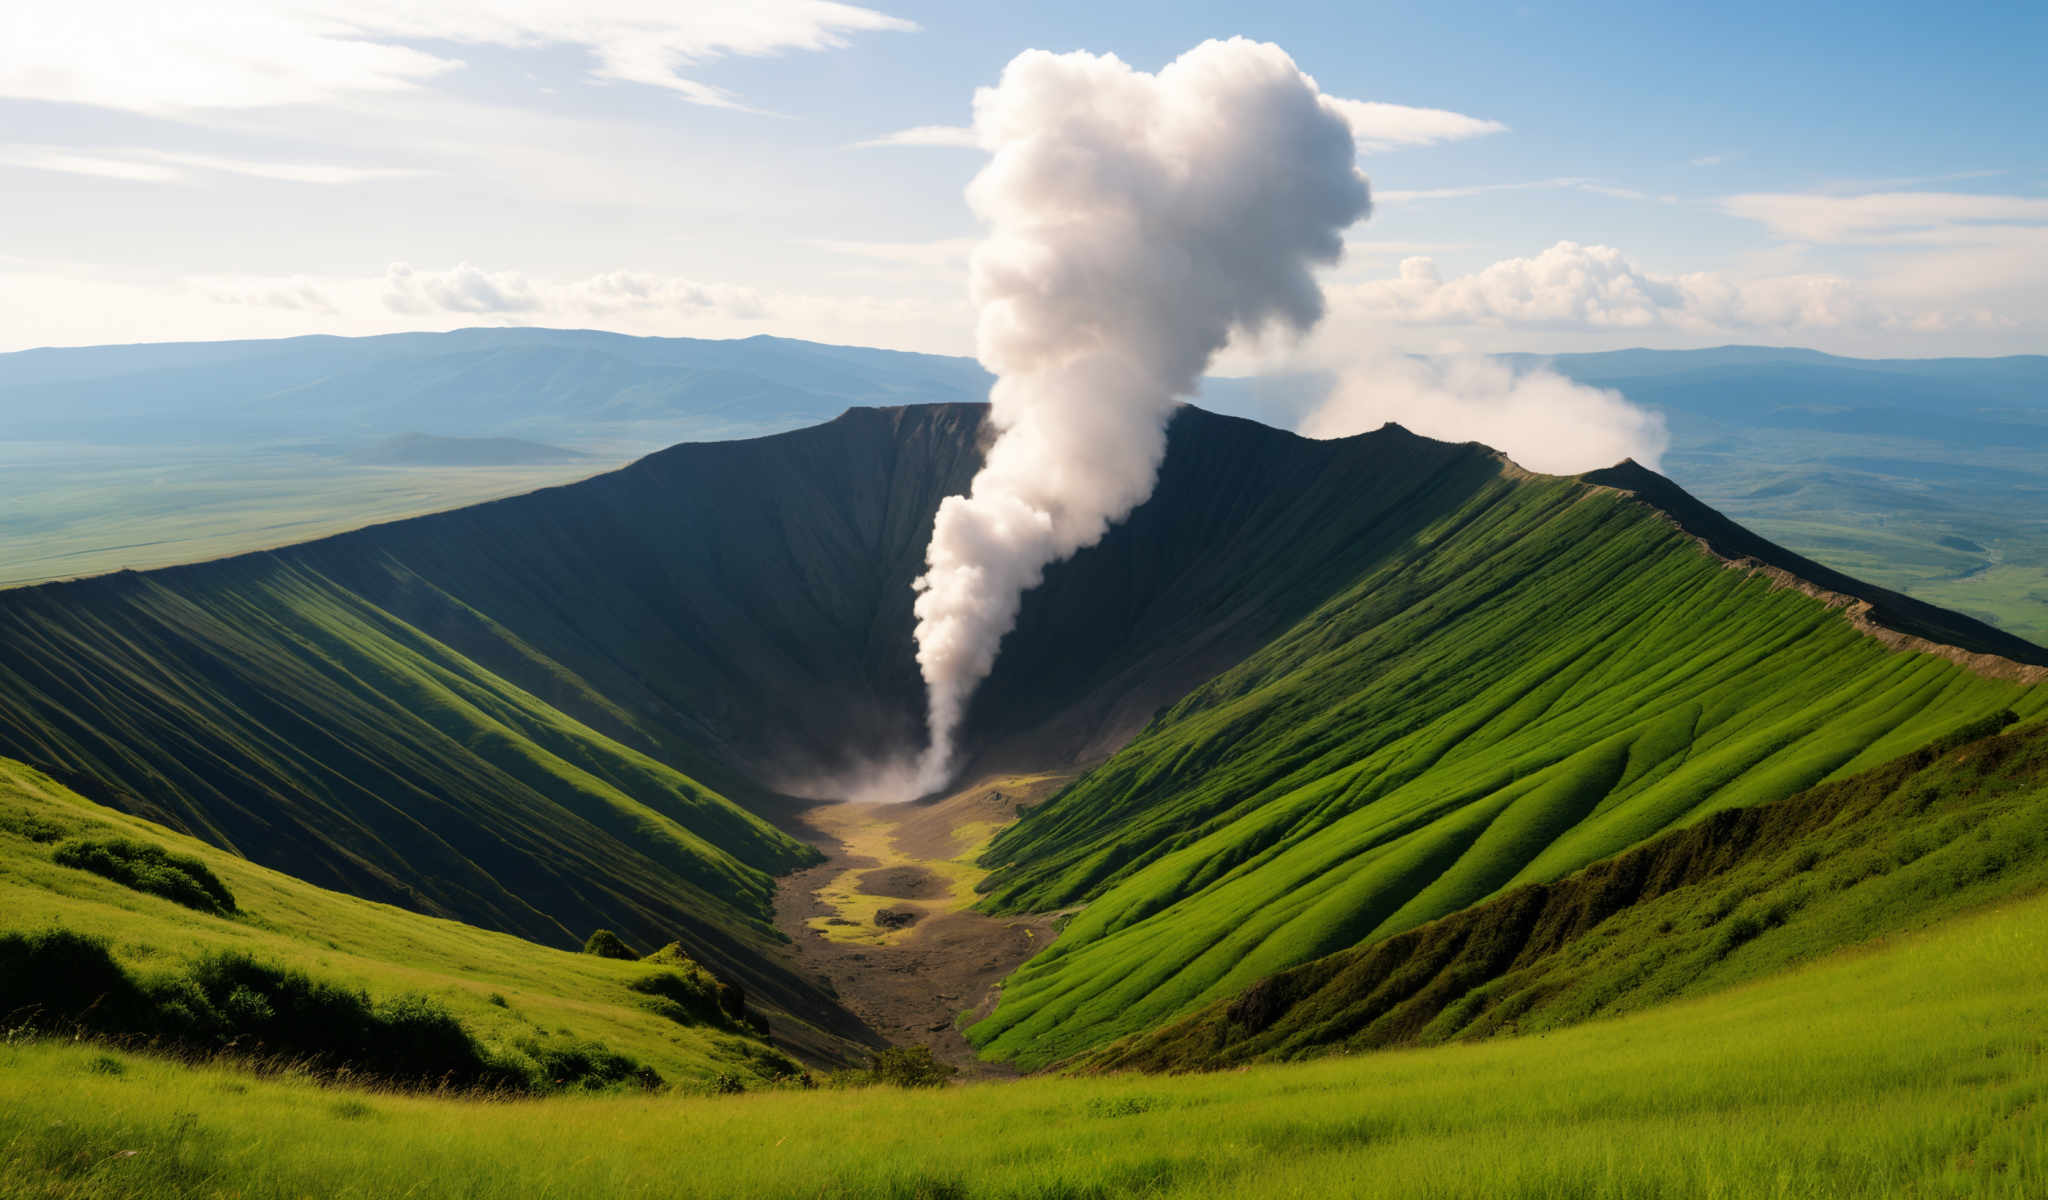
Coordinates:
257 705
1743 893
552 997
1552 672
1915 1068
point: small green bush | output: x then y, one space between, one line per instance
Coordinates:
149 868
671 955
606 944
909 1067
588 1066
59 981
687 997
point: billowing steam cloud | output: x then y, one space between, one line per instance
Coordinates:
1536 417
1135 221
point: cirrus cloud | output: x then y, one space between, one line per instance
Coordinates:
1376 126
146 56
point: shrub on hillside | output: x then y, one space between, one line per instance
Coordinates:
586 1066
59 981
150 868
671 955
687 997
606 944
908 1067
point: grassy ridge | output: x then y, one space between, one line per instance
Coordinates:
1915 1068
1548 675
1740 894
514 996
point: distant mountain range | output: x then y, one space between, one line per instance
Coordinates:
1927 475
426 450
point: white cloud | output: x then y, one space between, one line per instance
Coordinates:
148 56
56 158
507 294
925 135
1562 183
1536 417
1378 126
78 303
1576 287
1375 127
943 253
288 172
162 166
465 289
1888 217
290 295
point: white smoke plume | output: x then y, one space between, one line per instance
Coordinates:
1537 417
1136 221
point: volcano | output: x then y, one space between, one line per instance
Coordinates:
1313 694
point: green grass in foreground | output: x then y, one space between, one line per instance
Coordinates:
1912 1068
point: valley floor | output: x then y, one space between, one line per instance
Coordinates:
930 957
1914 1067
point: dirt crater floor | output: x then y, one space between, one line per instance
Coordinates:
930 965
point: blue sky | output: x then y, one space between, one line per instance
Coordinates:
1865 179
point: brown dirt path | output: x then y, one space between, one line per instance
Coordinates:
929 958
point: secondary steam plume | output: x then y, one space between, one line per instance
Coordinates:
1135 222
1536 417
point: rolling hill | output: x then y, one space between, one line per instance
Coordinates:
1335 690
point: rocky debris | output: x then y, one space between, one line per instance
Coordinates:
896 918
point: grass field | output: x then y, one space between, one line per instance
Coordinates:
505 990
72 510
1916 1067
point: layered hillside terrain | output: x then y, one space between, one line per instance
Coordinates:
526 1006
1334 689
1549 672
1748 891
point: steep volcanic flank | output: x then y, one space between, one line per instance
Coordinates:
569 710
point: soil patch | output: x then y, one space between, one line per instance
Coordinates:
903 883
919 982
